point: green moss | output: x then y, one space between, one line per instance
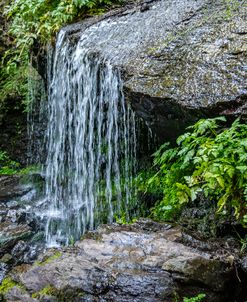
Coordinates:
48 290
55 256
66 295
6 285
92 235
198 298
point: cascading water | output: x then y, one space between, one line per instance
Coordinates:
35 117
91 143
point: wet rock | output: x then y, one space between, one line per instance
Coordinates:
20 238
6 258
11 233
199 269
244 264
26 252
143 262
3 270
184 61
18 294
11 187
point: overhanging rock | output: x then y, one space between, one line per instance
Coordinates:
181 60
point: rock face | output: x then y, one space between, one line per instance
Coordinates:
181 60
136 263
19 236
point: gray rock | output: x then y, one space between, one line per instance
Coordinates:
126 264
180 60
11 233
20 237
11 187
244 264
18 294
3 270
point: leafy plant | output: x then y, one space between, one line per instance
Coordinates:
209 160
124 219
41 19
242 242
31 21
198 298
6 285
7 166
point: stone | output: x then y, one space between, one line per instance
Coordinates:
244 264
185 59
6 258
18 294
11 233
20 237
142 262
3 270
11 187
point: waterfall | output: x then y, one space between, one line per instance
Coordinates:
91 143
36 110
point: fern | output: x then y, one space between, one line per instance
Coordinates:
32 20
209 159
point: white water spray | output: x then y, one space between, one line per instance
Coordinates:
91 143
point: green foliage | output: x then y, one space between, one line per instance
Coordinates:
7 166
198 298
32 169
124 219
46 291
209 160
13 77
49 259
6 285
41 19
31 21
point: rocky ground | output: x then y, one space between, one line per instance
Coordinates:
146 261
142 262
19 235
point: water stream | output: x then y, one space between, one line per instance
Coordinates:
90 142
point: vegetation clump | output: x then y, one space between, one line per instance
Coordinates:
211 160
10 167
6 285
51 258
46 291
7 166
31 23
198 298
65 295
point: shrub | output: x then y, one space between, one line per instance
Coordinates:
208 159
31 21
7 166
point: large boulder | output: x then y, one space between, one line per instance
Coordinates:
143 262
180 60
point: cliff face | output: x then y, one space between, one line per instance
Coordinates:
181 60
